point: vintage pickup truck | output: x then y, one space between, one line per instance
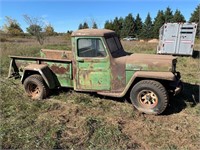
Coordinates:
98 63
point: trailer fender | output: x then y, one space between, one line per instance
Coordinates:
42 69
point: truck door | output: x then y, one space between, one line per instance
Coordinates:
93 65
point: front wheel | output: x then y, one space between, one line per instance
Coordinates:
149 96
35 87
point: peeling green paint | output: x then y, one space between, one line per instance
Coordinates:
136 66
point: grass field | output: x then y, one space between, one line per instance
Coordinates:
69 119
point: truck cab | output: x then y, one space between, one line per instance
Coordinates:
94 52
98 63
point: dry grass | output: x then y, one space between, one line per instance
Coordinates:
72 120
139 47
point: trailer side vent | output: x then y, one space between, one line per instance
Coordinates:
187 28
186 32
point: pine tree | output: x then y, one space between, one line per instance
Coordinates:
108 25
178 17
168 15
158 22
94 26
195 18
80 26
121 21
195 15
147 32
85 25
128 26
117 25
138 25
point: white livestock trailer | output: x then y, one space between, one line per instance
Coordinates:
177 38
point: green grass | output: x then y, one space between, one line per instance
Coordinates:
189 68
76 120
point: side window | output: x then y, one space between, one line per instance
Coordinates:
90 48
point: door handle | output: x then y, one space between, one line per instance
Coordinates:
80 60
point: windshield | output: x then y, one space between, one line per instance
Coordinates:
115 46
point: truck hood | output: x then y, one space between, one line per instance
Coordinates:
148 62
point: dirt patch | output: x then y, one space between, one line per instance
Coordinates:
164 132
153 41
82 124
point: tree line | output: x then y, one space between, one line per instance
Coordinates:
128 26
36 28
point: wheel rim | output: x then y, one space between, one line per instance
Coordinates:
147 98
33 90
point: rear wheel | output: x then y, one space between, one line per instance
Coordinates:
35 87
149 96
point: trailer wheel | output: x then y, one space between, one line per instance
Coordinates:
35 87
149 96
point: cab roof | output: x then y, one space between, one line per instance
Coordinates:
92 32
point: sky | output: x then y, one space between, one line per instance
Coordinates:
66 15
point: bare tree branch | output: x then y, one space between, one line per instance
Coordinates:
35 27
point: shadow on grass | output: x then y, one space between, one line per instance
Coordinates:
188 97
196 54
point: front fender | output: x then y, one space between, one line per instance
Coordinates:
167 76
154 75
42 69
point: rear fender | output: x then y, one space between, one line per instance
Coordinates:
42 69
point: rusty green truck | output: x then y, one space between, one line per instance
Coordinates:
98 63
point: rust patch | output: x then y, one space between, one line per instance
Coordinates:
142 57
148 62
57 54
59 70
118 80
92 32
156 75
147 98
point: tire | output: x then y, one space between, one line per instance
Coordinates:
35 87
149 97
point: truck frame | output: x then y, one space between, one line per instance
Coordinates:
98 63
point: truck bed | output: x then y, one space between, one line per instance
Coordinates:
59 61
